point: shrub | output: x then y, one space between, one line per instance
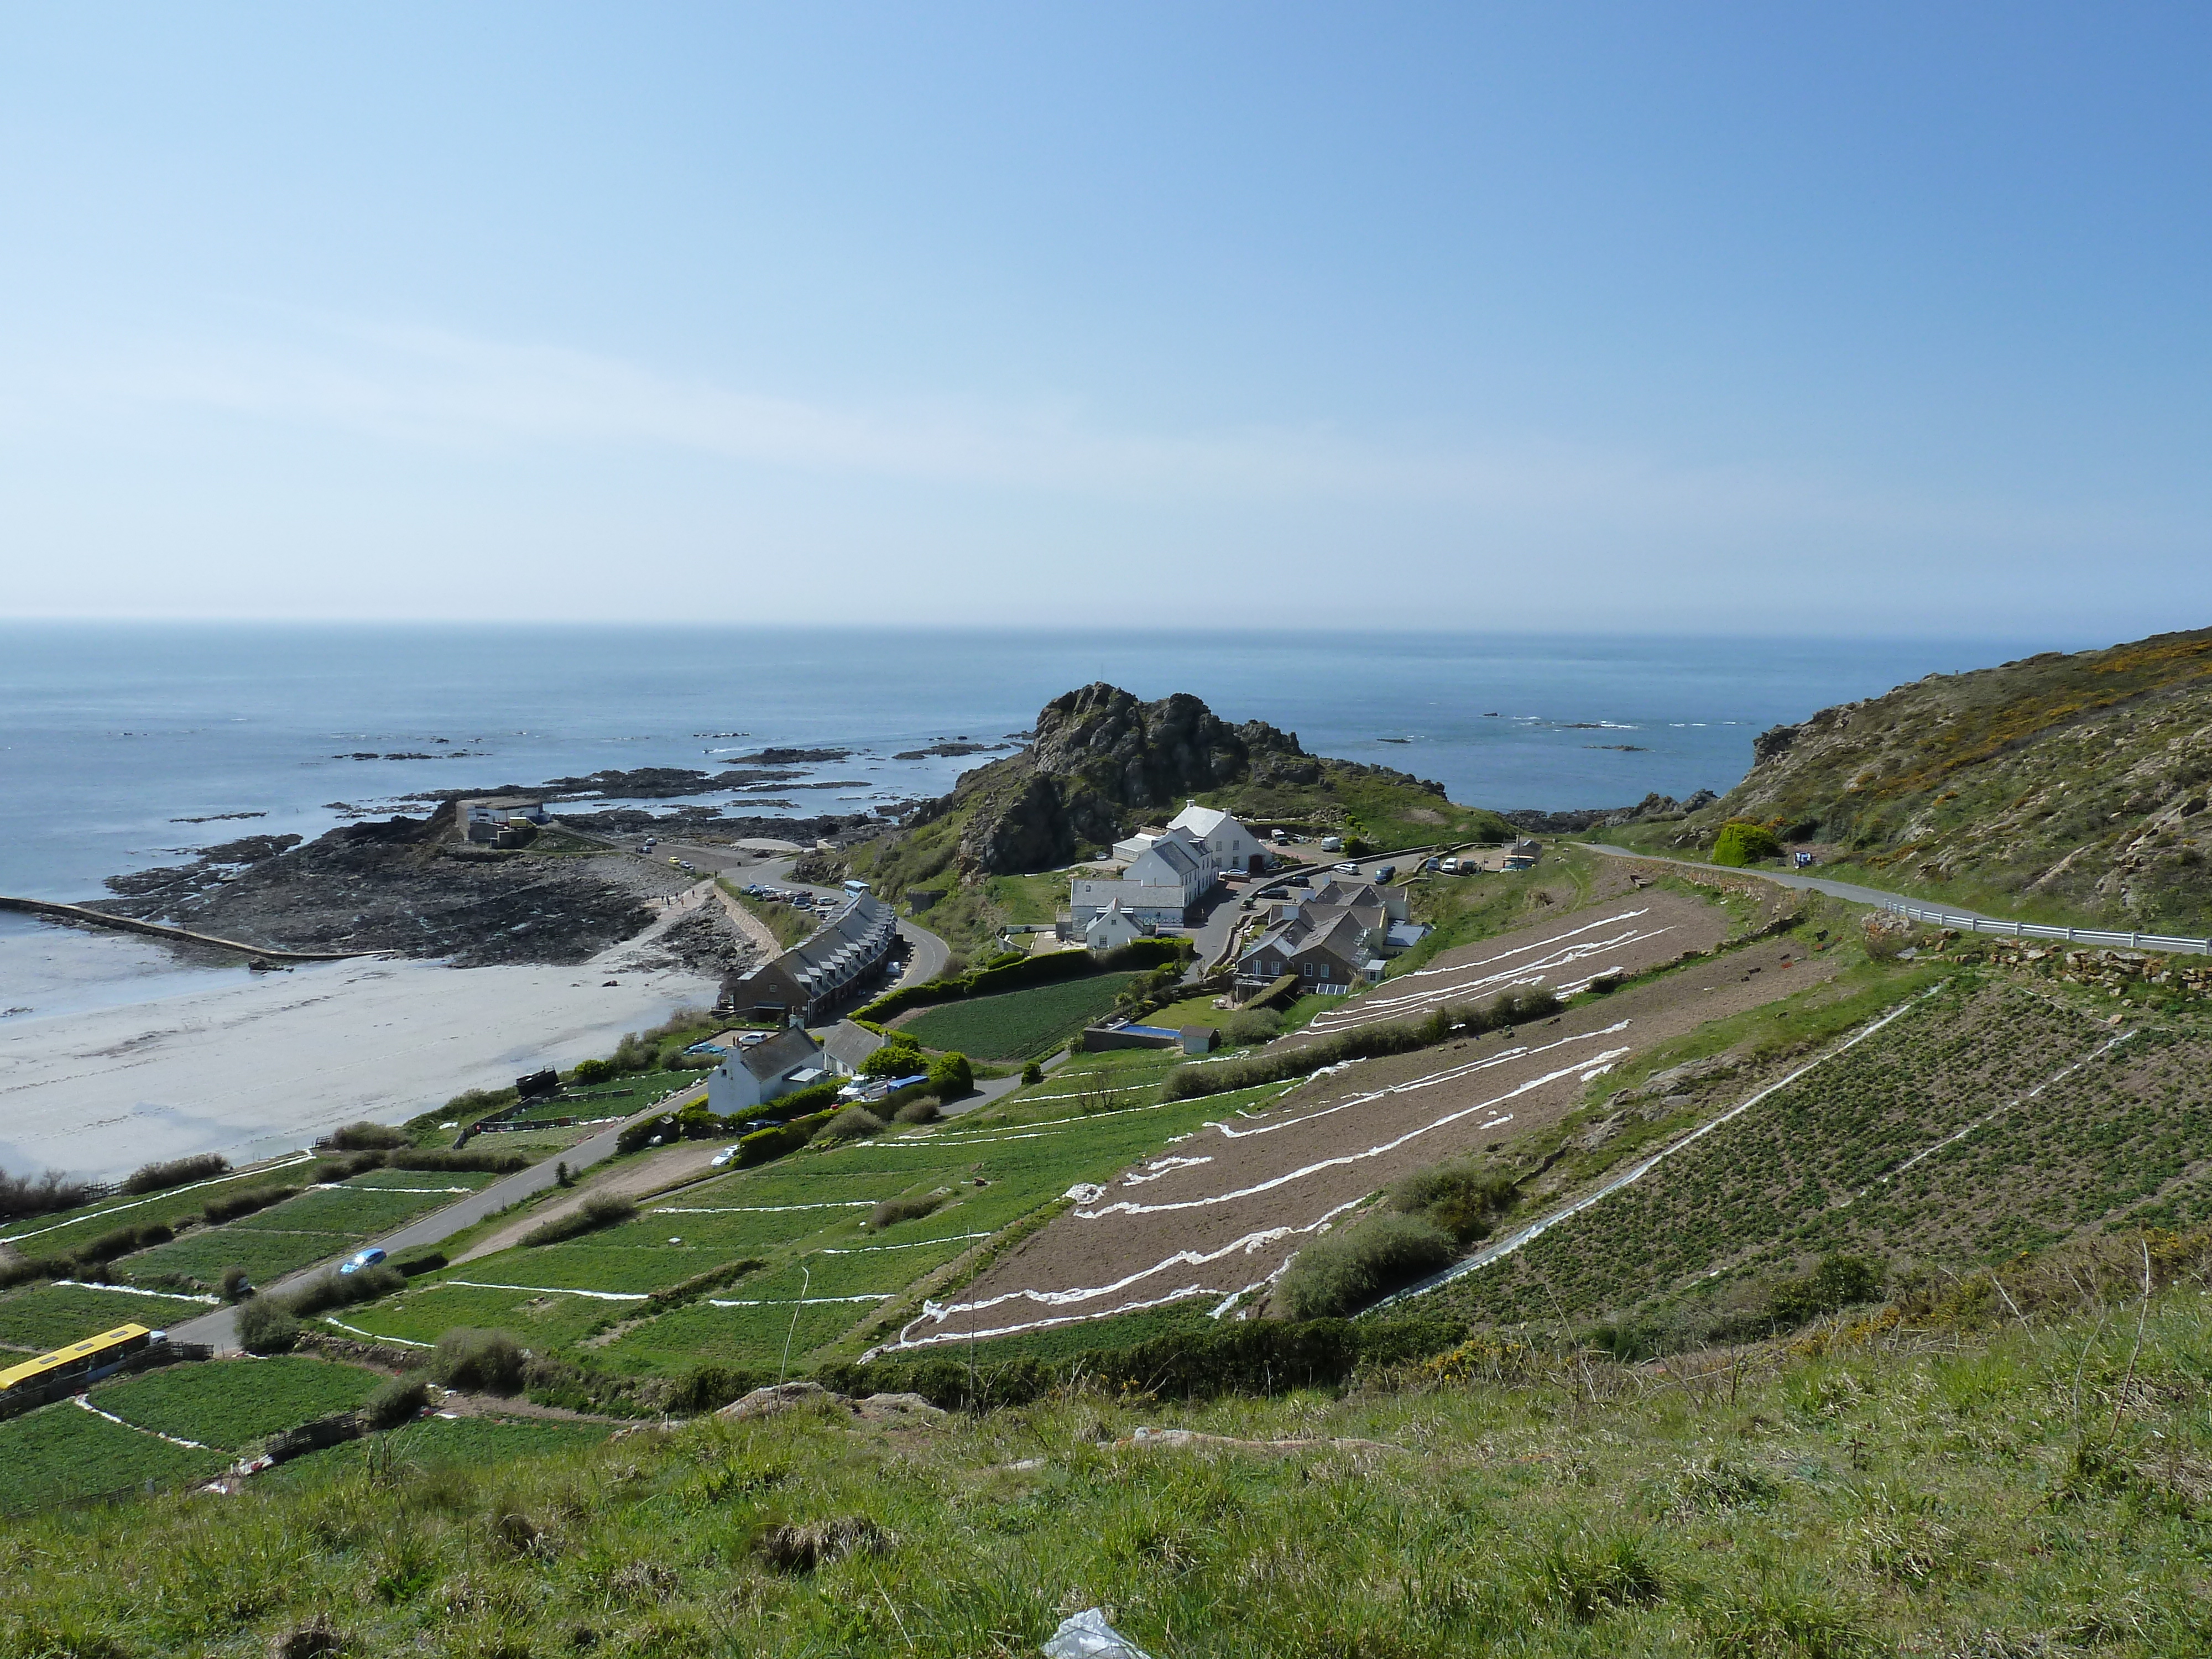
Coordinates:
633 1054
892 1211
1514 1007
1461 1197
1884 937
601 1210
924 1110
364 1136
400 1400
447 1158
234 1281
121 1240
1252 1025
1839 1281
1032 1073
900 1056
1741 841
851 1124
764 1145
265 1326
231 1206
951 1076
488 1361
337 1290
1342 1273
593 1071
20 1195
176 1172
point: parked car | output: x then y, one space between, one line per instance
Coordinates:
1449 866
752 1039
360 1259
1432 865
685 864
1347 868
1386 872
724 1158
1332 843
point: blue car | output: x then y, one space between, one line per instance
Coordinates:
360 1259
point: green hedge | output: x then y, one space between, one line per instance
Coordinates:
1027 971
1260 1356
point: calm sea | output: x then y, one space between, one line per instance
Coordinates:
113 738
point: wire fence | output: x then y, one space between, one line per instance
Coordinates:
2162 942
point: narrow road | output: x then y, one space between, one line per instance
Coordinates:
1842 889
220 1327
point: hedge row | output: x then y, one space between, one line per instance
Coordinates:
1251 1356
1514 1007
1029 970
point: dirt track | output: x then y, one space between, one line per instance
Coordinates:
1223 1212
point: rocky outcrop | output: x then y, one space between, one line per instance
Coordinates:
1101 758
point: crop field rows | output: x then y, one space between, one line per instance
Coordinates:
825 1274
37 1318
1803 1171
226 1408
318 1224
61 1233
1018 1024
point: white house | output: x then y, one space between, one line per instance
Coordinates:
1111 929
1232 846
1176 858
750 1077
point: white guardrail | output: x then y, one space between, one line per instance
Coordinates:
2039 930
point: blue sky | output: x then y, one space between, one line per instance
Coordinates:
1871 319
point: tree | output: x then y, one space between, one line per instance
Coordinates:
950 1075
1740 842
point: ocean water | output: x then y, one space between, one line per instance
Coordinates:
113 738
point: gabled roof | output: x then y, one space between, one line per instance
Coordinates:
787 1048
1175 852
1203 821
849 1044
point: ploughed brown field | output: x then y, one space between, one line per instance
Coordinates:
1222 1212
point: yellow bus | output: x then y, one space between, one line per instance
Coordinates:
79 1358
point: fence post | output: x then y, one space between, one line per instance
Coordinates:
2134 941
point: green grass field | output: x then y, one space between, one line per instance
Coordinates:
1943 1495
40 1317
60 1451
1018 1024
200 1257
231 1404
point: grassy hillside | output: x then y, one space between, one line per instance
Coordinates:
2067 788
1938 1483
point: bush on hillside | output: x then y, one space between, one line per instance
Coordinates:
478 1362
466 1162
122 1241
1511 1008
951 1076
22 1195
1461 1196
366 1137
400 1400
1251 1025
851 1124
1740 842
892 1211
230 1206
602 1210
592 1071
1340 1272
900 1056
1032 1073
265 1327
176 1172
234 1282
924 1110
337 1290
1838 1281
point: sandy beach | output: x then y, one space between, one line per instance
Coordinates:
248 1064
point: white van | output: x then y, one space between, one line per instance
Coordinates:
1332 843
